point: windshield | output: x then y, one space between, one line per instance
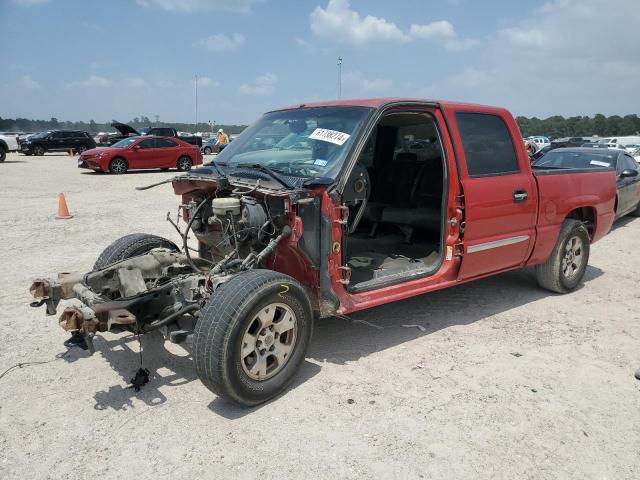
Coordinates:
305 142
124 143
562 158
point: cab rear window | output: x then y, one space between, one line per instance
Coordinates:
488 147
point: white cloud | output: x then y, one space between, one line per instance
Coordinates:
220 42
164 83
29 3
262 85
532 37
94 81
207 82
338 22
358 83
29 83
135 82
188 6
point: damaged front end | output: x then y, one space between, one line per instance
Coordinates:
163 288
138 294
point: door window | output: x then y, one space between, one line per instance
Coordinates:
148 143
487 143
57 135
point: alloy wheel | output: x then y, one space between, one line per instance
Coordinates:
268 341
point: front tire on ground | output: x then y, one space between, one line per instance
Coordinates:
38 150
564 269
208 151
131 246
252 336
118 166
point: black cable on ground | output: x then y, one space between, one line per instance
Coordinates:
29 364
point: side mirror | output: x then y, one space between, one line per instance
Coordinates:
629 173
136 147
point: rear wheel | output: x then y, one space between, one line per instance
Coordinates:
184 164
38 150
3 154
564 269
81 149
252 336
131 246
208 151
118 166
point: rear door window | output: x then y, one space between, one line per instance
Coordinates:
164 143
487 143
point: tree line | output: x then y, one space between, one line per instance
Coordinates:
558 126
27 125
555 127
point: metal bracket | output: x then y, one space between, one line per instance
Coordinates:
343 214
346 274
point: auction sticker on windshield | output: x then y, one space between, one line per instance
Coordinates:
332 136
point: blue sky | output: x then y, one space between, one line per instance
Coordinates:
81 60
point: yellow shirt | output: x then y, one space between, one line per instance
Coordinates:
222 139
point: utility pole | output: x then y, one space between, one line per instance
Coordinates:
339 77
196 104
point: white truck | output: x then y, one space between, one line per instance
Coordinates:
8 143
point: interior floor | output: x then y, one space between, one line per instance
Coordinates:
388 254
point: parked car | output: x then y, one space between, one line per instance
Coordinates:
142 153
626 167
621 140
172 132
595 145
124 131
569 142
57 141
209 146
540 141
636 154
287 237
9 142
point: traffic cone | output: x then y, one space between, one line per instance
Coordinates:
63 210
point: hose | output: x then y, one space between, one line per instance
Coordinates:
170 318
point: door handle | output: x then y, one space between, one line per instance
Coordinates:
520 195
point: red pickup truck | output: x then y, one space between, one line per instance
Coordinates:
372 201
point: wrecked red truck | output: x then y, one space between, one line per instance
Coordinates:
359 203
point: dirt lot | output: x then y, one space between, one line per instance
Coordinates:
505 381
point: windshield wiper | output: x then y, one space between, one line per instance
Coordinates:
218 169
268 171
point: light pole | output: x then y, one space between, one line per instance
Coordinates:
196 104
339 77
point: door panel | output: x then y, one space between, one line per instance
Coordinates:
500 193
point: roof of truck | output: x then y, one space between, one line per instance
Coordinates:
380 102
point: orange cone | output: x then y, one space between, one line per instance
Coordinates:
63 210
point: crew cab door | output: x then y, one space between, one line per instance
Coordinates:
500 193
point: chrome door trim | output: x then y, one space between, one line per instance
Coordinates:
497 243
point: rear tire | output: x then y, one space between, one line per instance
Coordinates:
131 246
564 269
118 166
231 359
38 150
81 149
208 151
184 164
3 154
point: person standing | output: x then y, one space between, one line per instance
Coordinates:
222 140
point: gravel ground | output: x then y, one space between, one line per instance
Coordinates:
503 380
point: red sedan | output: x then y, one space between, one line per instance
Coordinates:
142 153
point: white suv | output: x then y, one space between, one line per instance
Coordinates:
8 143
